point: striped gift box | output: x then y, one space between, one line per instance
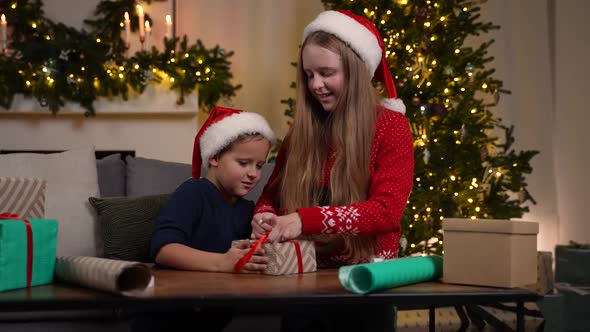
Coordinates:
23 196
285 257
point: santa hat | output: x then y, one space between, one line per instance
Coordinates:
362 36
222 128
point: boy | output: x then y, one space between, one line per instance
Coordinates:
195 228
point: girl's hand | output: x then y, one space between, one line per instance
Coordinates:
262 224
285 228
256 264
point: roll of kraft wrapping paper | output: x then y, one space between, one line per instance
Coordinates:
122 277
371 277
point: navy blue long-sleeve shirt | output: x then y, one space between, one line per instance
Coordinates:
197 215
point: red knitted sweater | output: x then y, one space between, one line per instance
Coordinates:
391 175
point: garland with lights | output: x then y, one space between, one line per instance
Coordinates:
55 63
462 170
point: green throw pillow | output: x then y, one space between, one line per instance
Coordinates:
126 225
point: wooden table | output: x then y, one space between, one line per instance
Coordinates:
260 294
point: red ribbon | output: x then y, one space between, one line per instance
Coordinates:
29 243
240 264
299 259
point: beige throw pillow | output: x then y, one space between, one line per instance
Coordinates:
71 179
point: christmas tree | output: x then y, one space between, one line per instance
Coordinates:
465 166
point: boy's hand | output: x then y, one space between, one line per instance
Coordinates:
257 263
262 224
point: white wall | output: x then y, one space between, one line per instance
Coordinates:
572 118
522 61
546 107
264 34
162 137
540 54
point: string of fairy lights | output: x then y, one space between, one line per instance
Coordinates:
54 63
421 71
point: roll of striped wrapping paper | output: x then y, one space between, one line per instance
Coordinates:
115 276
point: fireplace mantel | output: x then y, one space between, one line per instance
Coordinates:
155 100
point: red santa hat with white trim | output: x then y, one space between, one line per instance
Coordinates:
222 127
360 34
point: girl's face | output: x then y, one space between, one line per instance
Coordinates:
325 75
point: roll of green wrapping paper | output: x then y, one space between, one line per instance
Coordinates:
371 277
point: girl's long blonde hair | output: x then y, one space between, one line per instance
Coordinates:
348 130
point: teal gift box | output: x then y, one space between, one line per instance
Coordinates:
14 252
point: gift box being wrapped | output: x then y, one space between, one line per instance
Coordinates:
27 251
291 257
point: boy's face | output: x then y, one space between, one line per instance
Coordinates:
237 171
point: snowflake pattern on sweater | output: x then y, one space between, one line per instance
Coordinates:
347 216
391 175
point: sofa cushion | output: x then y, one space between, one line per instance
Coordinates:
152 177
71 178
111 175
126 225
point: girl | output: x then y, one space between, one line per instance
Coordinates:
344 172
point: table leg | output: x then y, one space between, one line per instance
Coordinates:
359 317
463 317
520 316
375 318
385 322
431 318
391 316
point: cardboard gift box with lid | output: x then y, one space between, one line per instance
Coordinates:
498 253
291 257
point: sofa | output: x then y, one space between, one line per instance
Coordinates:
93 194
122 174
